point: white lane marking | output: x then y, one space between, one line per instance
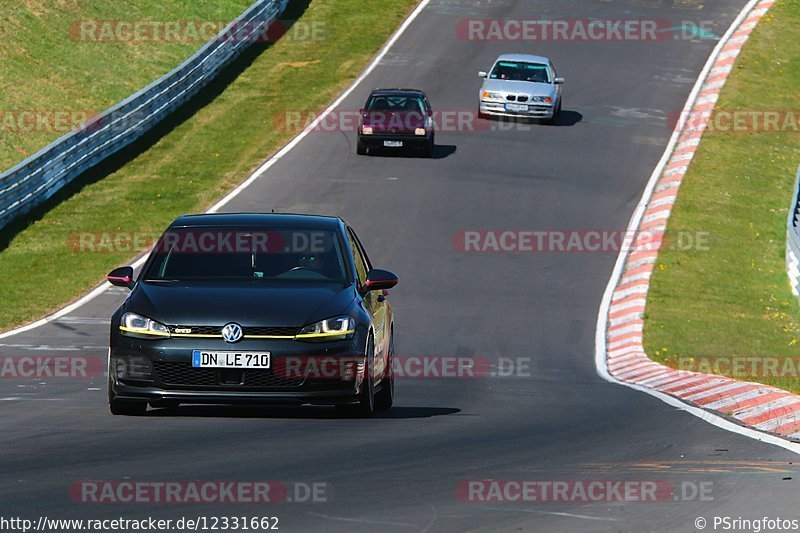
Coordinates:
102 288
43 347
602 318
17 398
83 320
88 297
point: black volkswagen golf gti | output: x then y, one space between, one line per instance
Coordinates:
254 308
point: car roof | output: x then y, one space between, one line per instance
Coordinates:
255 220
399 92
523 57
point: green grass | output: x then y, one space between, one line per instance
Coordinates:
733 298
196 163
44 67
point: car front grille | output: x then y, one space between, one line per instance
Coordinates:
185 375
272 331
518 97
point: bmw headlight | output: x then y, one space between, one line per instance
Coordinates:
134 325
487 95
330 329
542 99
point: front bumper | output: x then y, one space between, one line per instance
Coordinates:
408 140
495 108
289 380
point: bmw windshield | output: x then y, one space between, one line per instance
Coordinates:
520 71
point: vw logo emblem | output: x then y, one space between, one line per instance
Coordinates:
232 332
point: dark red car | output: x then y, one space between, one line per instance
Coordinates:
396 119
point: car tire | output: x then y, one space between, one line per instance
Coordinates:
361 149
428 150
557 113
366 398
124 407
385 397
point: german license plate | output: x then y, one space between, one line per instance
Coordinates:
204 359
516 107
393 144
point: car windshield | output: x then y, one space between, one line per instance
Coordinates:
521 71
247 254
382 102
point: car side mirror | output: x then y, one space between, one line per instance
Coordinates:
482 74
378 280
558 81
361 111
121 277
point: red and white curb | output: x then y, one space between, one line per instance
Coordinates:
620 351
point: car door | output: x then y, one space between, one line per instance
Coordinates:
374 302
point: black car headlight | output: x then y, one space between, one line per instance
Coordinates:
331 329
133 325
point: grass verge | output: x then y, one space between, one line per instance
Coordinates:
53 75
197 161
731 298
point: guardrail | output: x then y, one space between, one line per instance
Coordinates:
37 178
793 239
